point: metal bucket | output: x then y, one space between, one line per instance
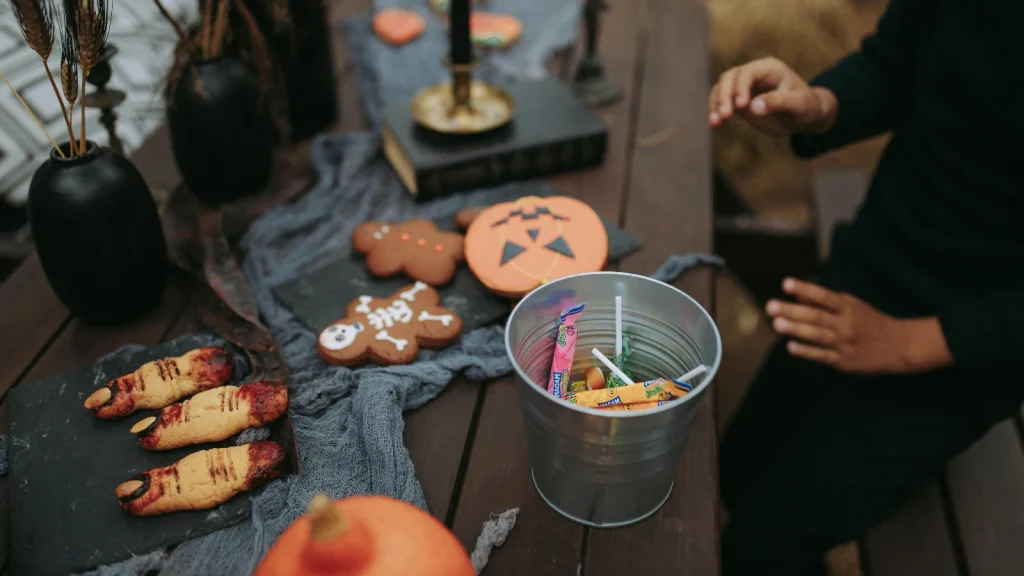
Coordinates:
608 469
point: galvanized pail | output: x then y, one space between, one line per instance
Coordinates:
607 469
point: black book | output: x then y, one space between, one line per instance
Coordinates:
551 132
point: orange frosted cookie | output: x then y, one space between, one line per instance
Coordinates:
491 30
398 26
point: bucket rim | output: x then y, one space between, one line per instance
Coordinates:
697 392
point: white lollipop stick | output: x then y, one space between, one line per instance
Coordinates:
618 326
695 372
611 366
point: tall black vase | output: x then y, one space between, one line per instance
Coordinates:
307 62
98 235
220 130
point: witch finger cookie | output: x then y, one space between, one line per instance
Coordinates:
390 330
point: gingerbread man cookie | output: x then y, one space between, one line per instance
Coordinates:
416 248
390 330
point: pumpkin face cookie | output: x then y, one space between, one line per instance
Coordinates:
416 248
490 30
514 247
397 26
390 330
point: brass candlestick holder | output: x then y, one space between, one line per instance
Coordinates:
464 105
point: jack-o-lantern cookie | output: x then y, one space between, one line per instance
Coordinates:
398 26
513 247
416 248
390 330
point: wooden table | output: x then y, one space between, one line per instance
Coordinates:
468 444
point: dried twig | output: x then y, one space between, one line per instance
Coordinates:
220 27
32 114
36 20
69 81
205 32
263 60
90 21
182 36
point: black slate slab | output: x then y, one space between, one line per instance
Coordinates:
321 296
65 464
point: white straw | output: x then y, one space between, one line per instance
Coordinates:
615 369
695 372
618 326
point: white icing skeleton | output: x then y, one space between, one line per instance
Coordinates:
397 312
364 304
444 319
398 342
410 294
340 336
380 233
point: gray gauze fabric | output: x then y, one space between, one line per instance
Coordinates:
389 73
348 423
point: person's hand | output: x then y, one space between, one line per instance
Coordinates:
773 98
844 332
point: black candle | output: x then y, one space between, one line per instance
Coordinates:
458 28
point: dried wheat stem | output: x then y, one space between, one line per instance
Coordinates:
206 32
63 109
32 114
220 27
174 24
81 134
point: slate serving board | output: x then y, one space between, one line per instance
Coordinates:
65 464
321 296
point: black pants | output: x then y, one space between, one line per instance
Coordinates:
814 458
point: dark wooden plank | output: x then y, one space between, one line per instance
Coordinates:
604 188
838 193
81 344
498 472
543 543
669 208
914 541
986 487
435 436
31 316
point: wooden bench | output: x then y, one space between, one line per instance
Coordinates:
971 520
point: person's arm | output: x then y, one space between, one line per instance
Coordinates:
986 335
872 86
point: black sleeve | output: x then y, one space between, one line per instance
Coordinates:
986 335
872 86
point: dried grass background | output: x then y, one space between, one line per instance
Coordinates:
809 35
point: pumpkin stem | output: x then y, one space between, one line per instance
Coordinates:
327 521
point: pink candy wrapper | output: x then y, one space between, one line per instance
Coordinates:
565 349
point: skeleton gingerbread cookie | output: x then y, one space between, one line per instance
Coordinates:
390 330
416 248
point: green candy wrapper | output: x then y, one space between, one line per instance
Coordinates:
620 363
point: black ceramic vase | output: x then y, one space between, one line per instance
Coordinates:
306 58
98 235
220 131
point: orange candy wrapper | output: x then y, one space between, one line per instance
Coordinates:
652 391
638 407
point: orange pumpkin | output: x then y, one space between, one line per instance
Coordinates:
366 536
514 247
